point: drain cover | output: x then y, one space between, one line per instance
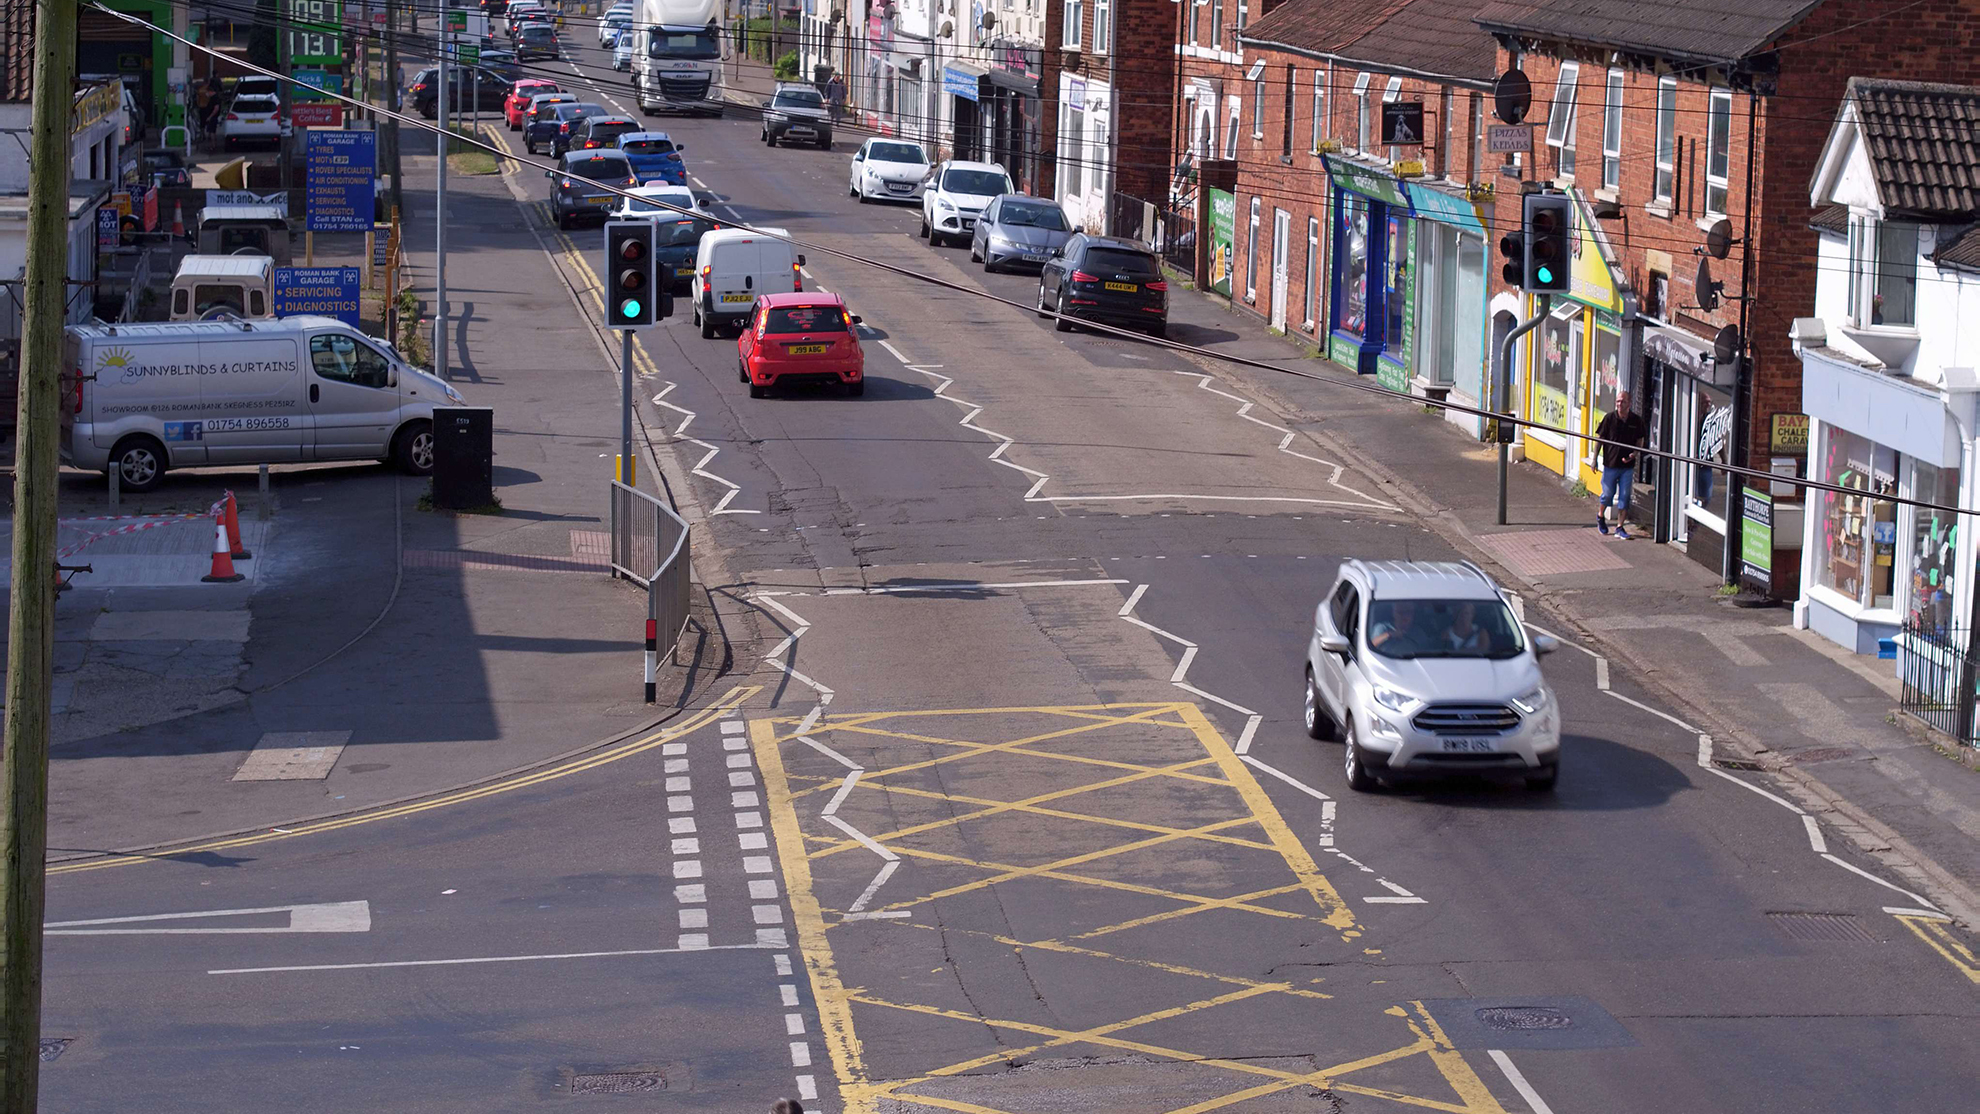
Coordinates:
1524 1018
1823 926
618 1083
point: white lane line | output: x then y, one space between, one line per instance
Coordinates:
1525 1089
1133 598
834 755
886 871
775 658
1854 869
1901 911
1815 841
968 586
1288 779
479 959
838 798
862 839
336 916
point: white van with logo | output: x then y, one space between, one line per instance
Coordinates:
732 266
149 397
208 286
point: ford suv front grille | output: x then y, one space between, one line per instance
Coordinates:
1466 719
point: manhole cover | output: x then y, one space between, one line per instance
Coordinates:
618 1083
1524 1018
53 1047
1823 926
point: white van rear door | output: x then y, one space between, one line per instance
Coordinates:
352 400
733 280
251 399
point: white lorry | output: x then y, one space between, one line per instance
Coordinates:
677 57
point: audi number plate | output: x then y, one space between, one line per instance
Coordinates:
1469 746
1123 287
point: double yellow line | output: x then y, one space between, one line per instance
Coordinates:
729 702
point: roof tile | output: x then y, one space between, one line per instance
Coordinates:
1425 36
1924 145
1718 30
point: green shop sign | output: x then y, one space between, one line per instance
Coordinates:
1223 240
1366 181
1756 539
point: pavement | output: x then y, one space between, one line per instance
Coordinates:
995 797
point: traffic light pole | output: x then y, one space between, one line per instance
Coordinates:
440 209
627 475
1505 394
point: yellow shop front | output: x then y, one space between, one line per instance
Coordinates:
1574 361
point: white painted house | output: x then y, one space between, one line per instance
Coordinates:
1890 378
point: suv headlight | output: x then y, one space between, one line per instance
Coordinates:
1392 699
1532 702
943 204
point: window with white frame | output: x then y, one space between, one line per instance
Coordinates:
1243 12
1258 108
1231 129
1216 24
1718 151
1072 165
1319 108
1069 27
1361 112
1251 255
1103 26
1286 121
1195 20
1312 272
1667 103
1560 120
1392 93
1883 272
1612 98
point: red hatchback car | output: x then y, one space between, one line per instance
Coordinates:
518 99
803 337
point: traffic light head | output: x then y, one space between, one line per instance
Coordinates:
1512 246
1549 229
630 287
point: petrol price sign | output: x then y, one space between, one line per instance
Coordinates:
316 32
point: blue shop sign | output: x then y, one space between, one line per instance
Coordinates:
961 83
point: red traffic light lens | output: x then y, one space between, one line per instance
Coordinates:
632 251
1546 222
1512 245
631 280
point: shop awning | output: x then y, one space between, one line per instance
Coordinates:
1675 348
1435 204
963 80
1366 181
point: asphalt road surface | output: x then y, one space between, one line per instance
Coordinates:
1006 806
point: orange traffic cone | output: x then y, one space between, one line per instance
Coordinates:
223 557
234 547
178 220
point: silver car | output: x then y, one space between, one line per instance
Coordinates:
1424 669
1018 231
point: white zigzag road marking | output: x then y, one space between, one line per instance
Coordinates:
700 467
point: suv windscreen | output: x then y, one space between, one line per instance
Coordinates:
656 203
896 152
647 146
1019 215
975 182
679 233
579 111
538 33
1120 262
601 167
798 98
682 44
608 130
805 319
1409 629
544 104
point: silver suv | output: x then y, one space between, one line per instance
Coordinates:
1424 669
796 112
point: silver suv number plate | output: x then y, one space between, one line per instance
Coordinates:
1469 746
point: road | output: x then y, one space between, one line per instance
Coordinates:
1006 805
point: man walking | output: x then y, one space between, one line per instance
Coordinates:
1621 434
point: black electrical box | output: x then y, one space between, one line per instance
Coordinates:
463 457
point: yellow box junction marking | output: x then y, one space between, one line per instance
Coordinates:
1938 936
1217 771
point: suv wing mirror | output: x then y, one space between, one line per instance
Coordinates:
1544 644
1331 643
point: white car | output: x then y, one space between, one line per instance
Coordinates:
955 195
680 196
252 120
888 170
611 23
622 50
1424 669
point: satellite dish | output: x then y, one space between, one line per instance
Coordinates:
948 29
1512 96
989 20
1719 239
1708 291
1725 346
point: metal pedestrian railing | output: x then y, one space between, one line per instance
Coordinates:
650 548
1939 669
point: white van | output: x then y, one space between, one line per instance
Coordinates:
248 229
211 285
733 266
174 394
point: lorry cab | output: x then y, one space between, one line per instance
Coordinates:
255 229
208 286
733 266
677 57
156 396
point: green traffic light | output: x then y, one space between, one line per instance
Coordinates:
629 308
1545 275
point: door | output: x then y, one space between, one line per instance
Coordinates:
1281 265
1344 615
353 399
251 400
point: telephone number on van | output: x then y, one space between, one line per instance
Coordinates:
195 431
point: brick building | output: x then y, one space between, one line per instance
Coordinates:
1375 252
1109 83
1659 119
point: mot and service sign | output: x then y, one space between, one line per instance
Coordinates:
340 180
325 291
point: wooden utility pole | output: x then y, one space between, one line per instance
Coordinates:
31 621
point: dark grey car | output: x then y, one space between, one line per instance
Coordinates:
1017 230
797 112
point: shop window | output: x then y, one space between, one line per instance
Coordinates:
1251 255
1718 151
1883 271
1612 100
1550 377
1312 273
1361 112
1606 367
1070 25
1103 26
1354 264
1856 544
1934 550
1319 108
1667 100
1560 120
1396 288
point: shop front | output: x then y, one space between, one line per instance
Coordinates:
1450 313
1372 316
1574 366
1873 565
1010 111
962 84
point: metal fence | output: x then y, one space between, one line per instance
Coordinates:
1939 668
650 548
1170 233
